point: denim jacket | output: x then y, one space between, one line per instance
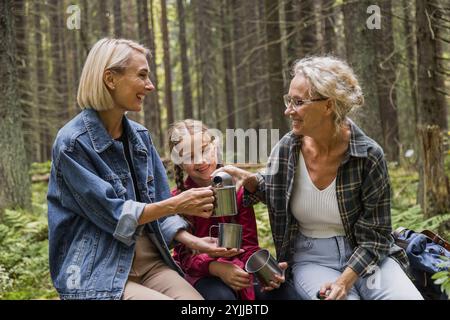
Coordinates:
92 211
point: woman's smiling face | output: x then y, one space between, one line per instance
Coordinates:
131 86
309 116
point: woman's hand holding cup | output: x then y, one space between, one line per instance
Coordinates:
196 202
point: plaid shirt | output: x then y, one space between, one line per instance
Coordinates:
363 193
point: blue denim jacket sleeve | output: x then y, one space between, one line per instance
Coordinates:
95 198
169 225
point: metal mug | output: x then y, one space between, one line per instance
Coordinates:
225 195
230 235
263 266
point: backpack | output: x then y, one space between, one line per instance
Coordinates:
425 251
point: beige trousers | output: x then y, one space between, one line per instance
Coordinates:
151 278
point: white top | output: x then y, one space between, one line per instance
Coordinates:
316 211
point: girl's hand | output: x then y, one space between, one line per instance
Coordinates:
209 245
278 280
195 202
231 275
227 253
205 245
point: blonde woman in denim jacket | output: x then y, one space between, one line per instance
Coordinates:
110 211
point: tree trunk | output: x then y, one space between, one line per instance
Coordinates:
63 86
41 86
275 67
198 60
410 38
307 29
154 77
263 88
185 75
129 20
431 100
85 31
252 10
59 74
151 105
167 67
24 89
117 19
204 22
15 189
436 196
431 104
227 62
386 77
241 50
301 31
292 30
329 22
74 44
362 57
103 16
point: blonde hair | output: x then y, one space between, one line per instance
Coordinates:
332 78
106 54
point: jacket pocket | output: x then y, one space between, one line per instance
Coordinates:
117 185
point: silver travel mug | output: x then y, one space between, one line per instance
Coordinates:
230 235
263 266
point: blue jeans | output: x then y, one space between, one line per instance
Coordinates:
213 288
317 261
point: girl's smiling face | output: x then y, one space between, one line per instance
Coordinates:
199 154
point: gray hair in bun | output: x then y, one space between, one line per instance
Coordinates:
332 78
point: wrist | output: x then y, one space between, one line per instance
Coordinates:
185 238
173 205
347 279
250 183
214 268
345 284
156 210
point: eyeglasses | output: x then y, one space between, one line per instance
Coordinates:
288 100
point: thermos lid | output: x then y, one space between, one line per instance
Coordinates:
223 179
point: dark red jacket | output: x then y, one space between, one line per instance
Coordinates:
196 266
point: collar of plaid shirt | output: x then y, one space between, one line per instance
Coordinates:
362 190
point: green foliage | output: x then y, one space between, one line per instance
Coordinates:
40 168
24 270
443 278
263 225
412 219
405 210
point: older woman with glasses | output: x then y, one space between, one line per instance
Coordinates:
327 189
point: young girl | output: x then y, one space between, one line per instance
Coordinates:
215 278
